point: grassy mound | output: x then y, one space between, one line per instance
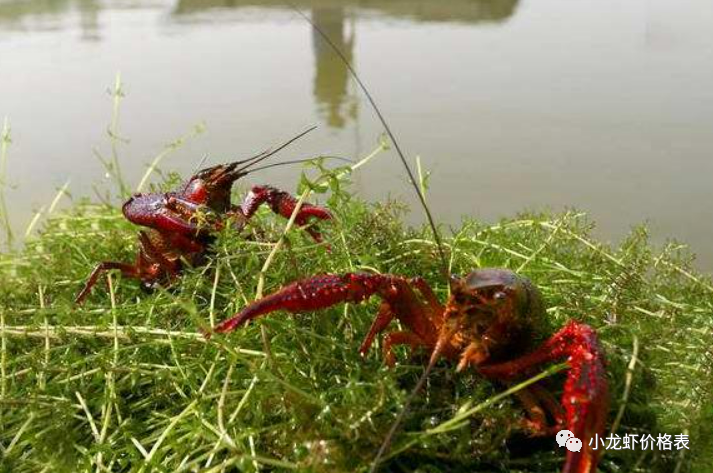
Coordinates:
127 382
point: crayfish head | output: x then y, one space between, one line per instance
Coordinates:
212 186
487 310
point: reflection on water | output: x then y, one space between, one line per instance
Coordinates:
89 19
467 11
13 12
330 76
334 17
48 14
597 104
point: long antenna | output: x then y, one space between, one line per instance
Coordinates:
400 417
431 222
436 236
299 161
248 162
266 154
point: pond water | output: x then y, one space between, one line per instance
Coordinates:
603 105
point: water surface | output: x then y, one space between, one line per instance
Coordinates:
603 105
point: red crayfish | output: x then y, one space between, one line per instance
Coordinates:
181 224
488 322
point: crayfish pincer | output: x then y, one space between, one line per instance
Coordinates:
489 323
181 224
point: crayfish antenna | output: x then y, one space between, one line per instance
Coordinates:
247 163
301 161
435 356
392 137
225 174
422 199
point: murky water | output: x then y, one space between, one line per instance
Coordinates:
599 104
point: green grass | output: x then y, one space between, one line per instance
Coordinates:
127 382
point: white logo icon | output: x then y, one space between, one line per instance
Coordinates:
562 437
574 444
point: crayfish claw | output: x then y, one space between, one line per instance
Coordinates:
586 393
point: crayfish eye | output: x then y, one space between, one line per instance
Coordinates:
459 297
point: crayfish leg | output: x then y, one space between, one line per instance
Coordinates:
149 252
127 270
536 421
400 338
548 401
544 415
381 321
150 264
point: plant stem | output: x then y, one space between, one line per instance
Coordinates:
117 93
4 145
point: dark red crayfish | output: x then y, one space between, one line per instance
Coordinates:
181 224
489 323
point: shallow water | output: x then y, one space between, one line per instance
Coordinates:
597 104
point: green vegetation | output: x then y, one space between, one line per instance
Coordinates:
128 383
